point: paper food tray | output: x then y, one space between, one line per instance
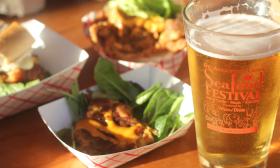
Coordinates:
168 61
57 116
58 56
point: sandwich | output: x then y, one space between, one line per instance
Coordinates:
18 65
119 115
109 127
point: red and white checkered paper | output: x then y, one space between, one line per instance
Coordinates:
45 91
169 61
146 77
58 56
117 159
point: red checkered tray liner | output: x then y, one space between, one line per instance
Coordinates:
58 56
117 159
45 91
170 62
146 77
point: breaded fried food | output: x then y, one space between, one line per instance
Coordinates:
132 38
20 75
17 63
125 44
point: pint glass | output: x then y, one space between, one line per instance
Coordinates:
234 65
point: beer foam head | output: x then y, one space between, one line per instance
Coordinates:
236 37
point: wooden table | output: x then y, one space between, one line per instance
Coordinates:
25 141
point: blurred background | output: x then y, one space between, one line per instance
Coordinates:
21 8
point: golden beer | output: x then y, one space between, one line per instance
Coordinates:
236 88
234 126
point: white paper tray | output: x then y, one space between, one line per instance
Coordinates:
58 56
57 116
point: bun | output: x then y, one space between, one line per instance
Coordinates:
15 40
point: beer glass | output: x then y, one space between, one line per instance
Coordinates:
234 65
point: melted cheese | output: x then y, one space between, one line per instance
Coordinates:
123 135
122 132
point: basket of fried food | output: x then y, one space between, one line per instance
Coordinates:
134 33
29 68
19 66
121 118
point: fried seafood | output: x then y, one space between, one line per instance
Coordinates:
16 75
17 63
132 38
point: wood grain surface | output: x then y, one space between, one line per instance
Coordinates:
25 141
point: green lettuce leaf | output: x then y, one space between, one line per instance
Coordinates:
161 109
77 102
147 8
110 82
10 88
